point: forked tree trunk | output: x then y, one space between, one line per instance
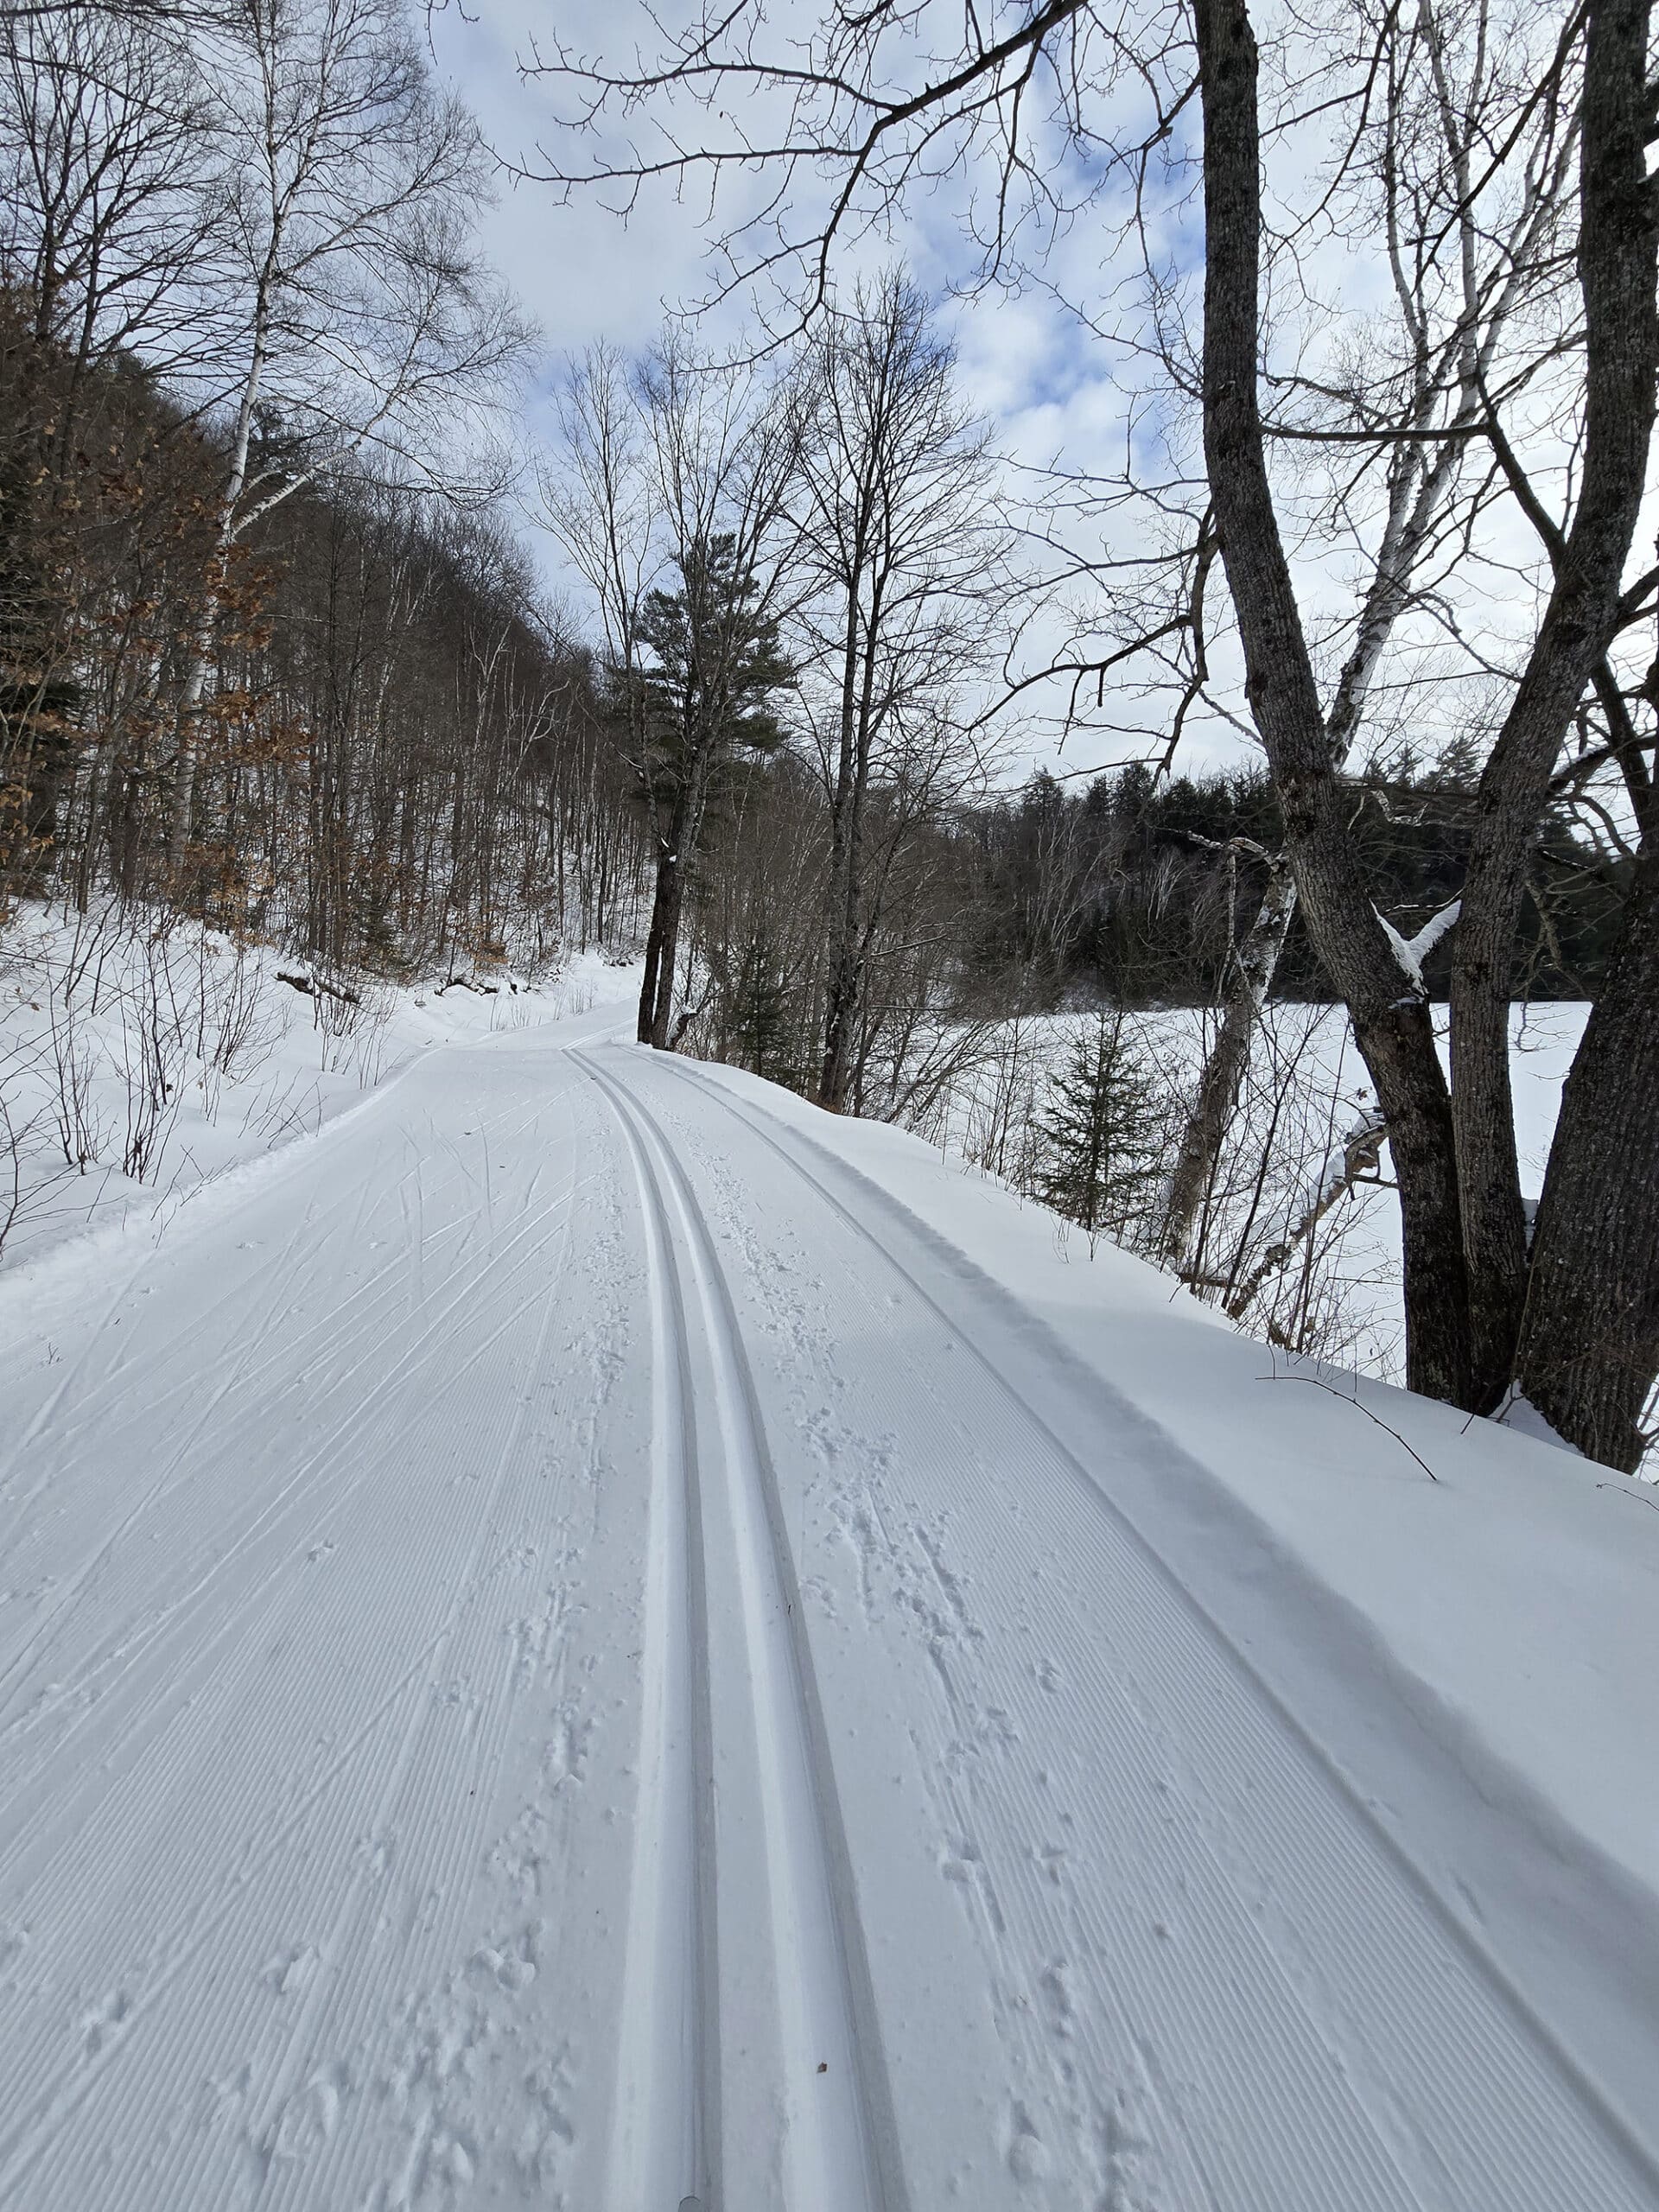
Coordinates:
1392 1028
668 903
1617 273
662 951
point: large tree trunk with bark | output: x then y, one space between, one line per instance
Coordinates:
677 843
662 951
655 940
1589 1345
1391 1025
1616 267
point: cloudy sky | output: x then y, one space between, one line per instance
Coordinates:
1057 393
588 275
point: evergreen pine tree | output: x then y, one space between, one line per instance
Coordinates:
763 1034
713 666
1099 1137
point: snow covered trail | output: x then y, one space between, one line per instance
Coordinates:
558 1646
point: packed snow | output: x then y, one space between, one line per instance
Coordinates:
588 1635
140 1054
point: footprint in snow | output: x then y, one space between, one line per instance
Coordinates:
289 1973
1028 2158
309 2118
98 2027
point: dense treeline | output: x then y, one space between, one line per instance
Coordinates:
1139 886
1131 890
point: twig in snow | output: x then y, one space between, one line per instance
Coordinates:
1651 1503
1318 1383
314 986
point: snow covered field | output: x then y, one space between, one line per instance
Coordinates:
591 1636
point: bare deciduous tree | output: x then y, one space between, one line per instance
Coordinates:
901 543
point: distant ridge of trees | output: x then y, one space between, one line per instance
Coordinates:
1139 886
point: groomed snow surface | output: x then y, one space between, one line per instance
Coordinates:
592 1637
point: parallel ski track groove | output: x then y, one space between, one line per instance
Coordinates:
1557 2183
666 2133
848 2145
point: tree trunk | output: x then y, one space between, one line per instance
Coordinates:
668 904
858 720
662 949
1254 960
1617 274
845 977
1589 1345
1392 1028
196 681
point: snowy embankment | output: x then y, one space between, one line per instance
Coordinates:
1306 1090
593 1637
141 1055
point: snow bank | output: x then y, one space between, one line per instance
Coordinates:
142 1056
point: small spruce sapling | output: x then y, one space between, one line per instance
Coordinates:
1100 1135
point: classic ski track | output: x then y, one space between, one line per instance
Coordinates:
840 2152
1628 2174
1260 2115
179 1944
665 2135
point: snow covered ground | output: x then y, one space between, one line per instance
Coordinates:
140 1055
592 1637
1308 1086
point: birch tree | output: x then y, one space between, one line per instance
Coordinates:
347 323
